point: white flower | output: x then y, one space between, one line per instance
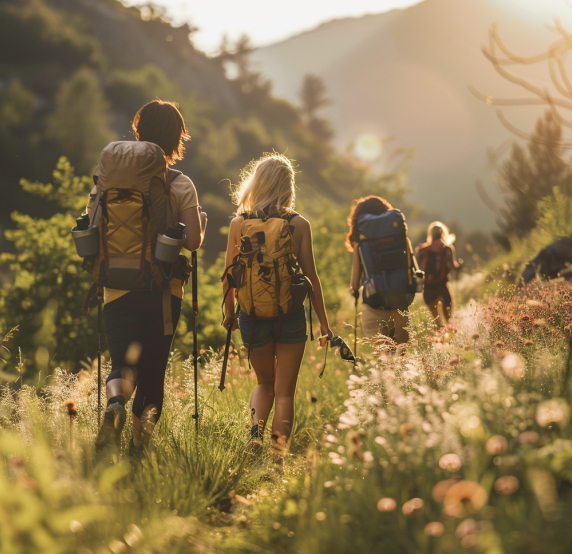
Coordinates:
555 410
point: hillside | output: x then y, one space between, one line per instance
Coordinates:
74 72
406 73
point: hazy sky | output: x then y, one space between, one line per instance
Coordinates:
267 21
264 21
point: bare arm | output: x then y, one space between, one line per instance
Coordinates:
231 252
453 263
195 225
308 265
355 282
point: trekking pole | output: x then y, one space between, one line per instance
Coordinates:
195 338
355 330
99 311
221 386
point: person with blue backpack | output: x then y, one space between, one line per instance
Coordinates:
384 265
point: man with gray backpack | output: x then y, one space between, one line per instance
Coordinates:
384 264
140 214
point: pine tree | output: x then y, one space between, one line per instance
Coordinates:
531 174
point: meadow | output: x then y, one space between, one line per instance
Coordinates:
458 442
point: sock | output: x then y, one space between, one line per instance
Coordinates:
254 434
117 400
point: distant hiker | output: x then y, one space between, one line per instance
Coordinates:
271 287
437 259
553 261
384 264
138 204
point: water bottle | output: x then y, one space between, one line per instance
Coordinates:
169 244
85 236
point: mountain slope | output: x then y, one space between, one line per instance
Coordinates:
405 73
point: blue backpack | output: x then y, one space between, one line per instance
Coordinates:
387 261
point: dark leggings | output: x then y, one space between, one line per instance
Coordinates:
137 317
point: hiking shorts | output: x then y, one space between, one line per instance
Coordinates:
433 293
292 330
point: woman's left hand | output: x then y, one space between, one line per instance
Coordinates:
230 322
325 334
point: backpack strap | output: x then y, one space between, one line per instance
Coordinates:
172 174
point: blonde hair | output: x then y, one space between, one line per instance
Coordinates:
439 231
266 183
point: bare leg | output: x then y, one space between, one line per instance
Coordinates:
288 358
124 386
434 309
263 362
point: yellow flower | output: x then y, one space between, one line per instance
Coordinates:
464 497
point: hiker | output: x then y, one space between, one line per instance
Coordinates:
265 223
383 263
437 259
140 323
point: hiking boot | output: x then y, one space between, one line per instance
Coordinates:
254 444
110 430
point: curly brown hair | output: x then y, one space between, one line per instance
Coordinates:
374 205
161 123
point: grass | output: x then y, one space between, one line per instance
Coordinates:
460 443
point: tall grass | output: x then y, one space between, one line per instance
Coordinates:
458 442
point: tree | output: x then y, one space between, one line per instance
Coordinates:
527 177
48 288
80 122
530 175
313 98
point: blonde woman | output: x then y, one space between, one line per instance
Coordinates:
276 346
437 258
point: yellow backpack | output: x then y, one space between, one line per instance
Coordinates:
268 280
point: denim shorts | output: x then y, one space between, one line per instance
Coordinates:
292 331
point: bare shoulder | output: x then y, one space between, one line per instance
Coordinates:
300 222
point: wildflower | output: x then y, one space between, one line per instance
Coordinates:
466 527
381 441
463 497
407 430
454 360
528 437
354 445
328 484
320 516
467 347
71 407
512 365
386 505
412 507
434 529
497 445
555 410
175 385
528 342
507 484
499 343
337 373
450 462
475 336
525 317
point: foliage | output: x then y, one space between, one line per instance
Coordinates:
528 176
79 123
48 288
459 443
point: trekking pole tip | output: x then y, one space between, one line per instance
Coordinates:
221 388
